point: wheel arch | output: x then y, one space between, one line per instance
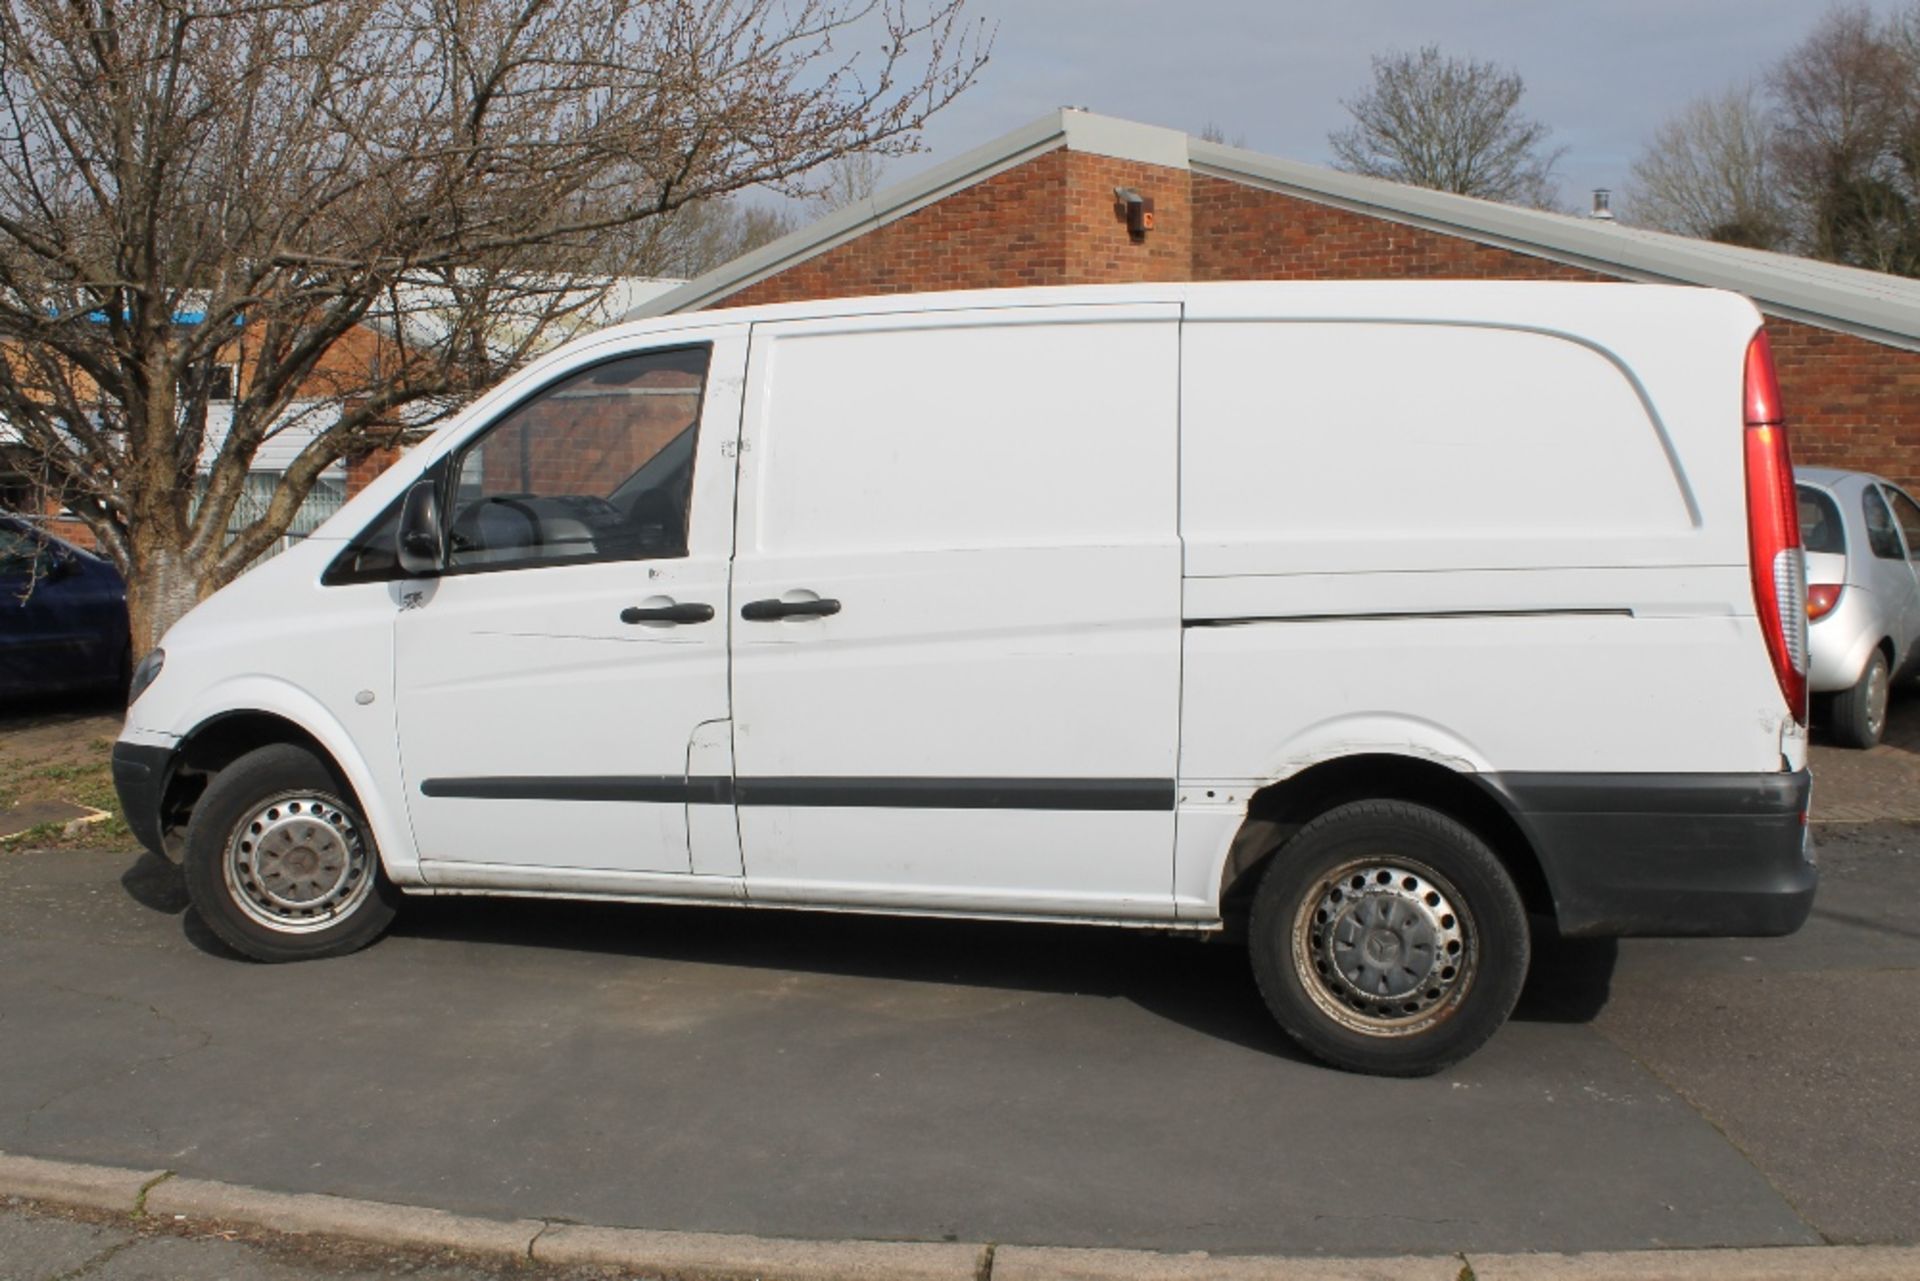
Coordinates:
1278 810
219 738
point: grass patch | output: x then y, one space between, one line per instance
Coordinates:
63 754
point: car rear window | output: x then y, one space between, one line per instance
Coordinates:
1820 529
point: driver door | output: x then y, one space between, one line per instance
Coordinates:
551 680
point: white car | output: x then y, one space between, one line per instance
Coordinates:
1351 614
1863 597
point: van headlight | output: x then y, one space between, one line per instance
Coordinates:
145 674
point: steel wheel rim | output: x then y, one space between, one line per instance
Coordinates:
1878 690
1385 946
298 863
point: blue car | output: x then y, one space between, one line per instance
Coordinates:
63 616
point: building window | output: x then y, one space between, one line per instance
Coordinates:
219 384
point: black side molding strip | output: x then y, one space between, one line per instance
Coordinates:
1697 794
661 789
1244 620
1107 794
961 793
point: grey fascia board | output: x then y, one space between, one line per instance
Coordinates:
1049 133
1816 293
1093 134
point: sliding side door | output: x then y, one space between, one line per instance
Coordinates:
956 611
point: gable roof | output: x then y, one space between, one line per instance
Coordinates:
1869 304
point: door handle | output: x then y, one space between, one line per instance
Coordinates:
690 613
760 611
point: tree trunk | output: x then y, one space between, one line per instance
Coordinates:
165 584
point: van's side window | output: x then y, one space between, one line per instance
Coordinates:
1881 534
1907 512
598 466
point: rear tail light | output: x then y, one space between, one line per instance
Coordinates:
1821 598
1773 530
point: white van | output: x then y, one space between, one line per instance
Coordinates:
1382 621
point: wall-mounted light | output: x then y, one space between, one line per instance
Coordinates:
1137 209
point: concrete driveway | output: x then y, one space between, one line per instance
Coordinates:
817 1076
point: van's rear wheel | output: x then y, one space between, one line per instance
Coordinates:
1860 713
279 861
1387 938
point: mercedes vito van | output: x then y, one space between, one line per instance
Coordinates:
1384 623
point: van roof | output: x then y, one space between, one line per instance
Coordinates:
1547 303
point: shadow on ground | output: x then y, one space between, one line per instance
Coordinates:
1205 986
51 711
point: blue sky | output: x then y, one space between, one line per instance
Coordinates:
1602 73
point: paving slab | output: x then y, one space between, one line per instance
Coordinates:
374 1221
35 1248
718 1257
100 1187
1877 785
1826 1263
1022 1263
31 814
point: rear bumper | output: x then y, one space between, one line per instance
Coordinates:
140 776
1671 855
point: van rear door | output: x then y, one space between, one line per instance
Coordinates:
956 610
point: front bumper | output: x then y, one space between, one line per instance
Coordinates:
1670 855
140 774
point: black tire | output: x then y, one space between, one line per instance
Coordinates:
1388 939
279 861
1860 713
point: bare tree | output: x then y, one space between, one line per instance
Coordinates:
850 179
1708 173
696 238
1848 147
186 184
1217 133
1453 124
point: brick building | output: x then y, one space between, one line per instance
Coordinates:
1038 207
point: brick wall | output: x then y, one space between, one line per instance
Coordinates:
1245 233
1054 221
71 528
1850 403
587 441
1099 248
1007 230
363 467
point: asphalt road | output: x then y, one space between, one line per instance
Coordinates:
822 1076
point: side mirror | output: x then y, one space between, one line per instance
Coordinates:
422 547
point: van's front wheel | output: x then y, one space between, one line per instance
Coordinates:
1387 938
279 861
